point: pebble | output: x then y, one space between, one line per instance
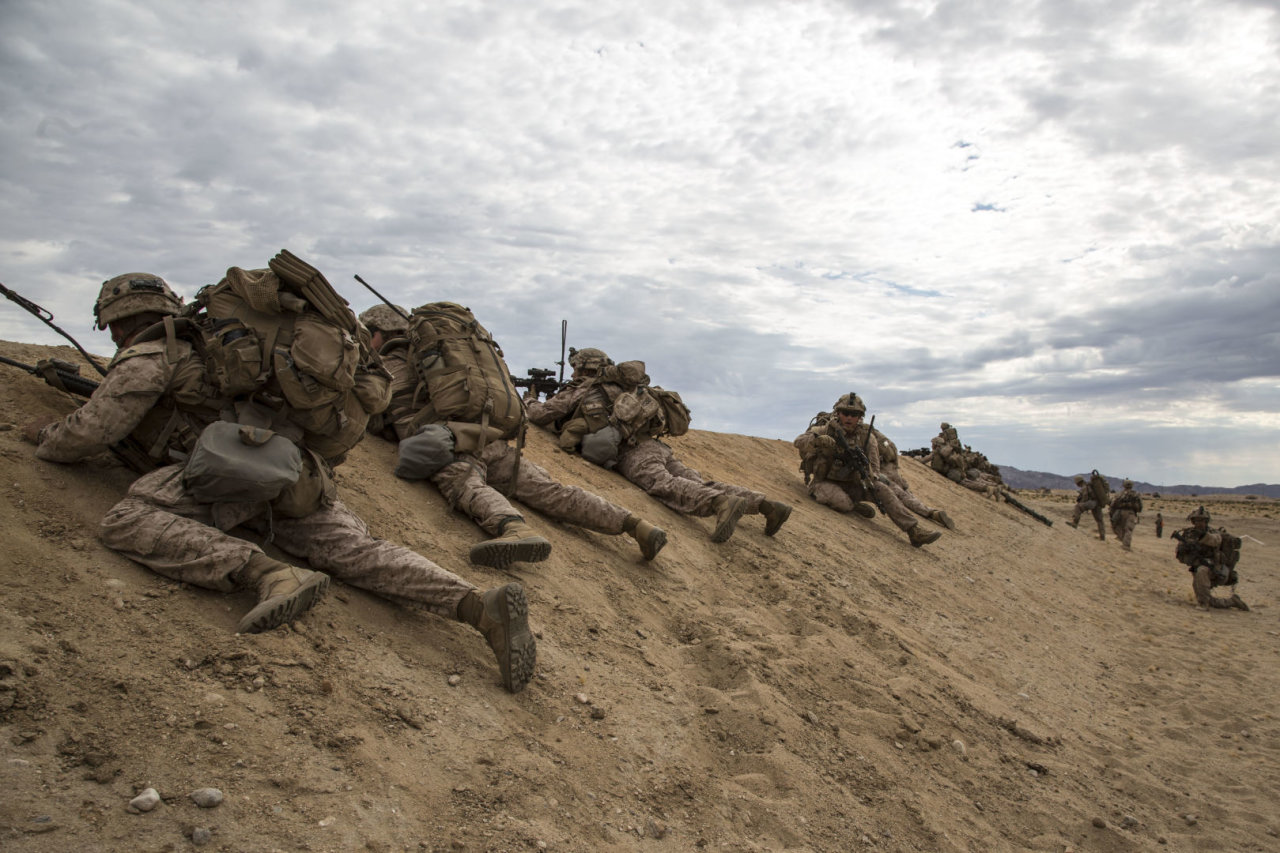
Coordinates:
201 836
207 798
1128 821
1190 819
597 713
1099 823
455 680
958 746
582 699
146 801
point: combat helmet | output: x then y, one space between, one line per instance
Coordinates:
589 359
1128 484
1079 480
1199 514
134 293
850 402
385 318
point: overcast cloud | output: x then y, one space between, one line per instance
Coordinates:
1053 223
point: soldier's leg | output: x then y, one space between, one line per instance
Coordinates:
1130 524
159 525
536 488
645 464
775 513
338 541
162 527
838 498
1102 530
464 484
901 517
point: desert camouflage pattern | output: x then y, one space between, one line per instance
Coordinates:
651 465
476 484
1124 514
837 486
161 526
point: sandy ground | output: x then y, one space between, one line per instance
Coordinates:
1012 687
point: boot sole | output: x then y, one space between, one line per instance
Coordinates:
499 555
864 510
274 612
776 523
520 658
725 528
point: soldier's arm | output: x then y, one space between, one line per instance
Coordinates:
543 412
128 391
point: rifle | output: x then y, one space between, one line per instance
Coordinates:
62 375
540 381
47 318
856 459
1014 502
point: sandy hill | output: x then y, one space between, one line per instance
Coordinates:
1012 687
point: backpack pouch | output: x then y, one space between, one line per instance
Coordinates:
235 463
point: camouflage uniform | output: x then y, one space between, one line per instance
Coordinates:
1086 502
650 464
954 461
161 526
832 483
1199 548
897 482
472 484
1124 514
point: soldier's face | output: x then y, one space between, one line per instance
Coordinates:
849 420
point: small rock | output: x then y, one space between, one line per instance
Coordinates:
1099 823
146 801
207 798
597 713
582 699
1190 819
958 746
655 829
201 836
455 680
1128 821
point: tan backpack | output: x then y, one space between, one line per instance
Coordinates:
284 351
1099 488
460 370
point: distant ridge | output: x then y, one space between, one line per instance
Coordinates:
1018 479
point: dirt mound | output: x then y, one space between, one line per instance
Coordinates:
1013 686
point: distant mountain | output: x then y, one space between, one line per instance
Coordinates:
1018 479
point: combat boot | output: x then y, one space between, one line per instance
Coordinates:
864 509
502 615
919 535
1073 523
515 542
775 515
1238 603
942 518
285 592
648 537
728 510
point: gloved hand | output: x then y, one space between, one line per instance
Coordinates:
824 444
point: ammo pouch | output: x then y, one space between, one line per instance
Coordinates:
471 438
425 452
233 463
601 447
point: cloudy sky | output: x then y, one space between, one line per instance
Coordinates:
1052 223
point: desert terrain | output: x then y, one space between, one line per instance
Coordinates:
1010 687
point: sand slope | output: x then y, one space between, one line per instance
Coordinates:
1012 687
